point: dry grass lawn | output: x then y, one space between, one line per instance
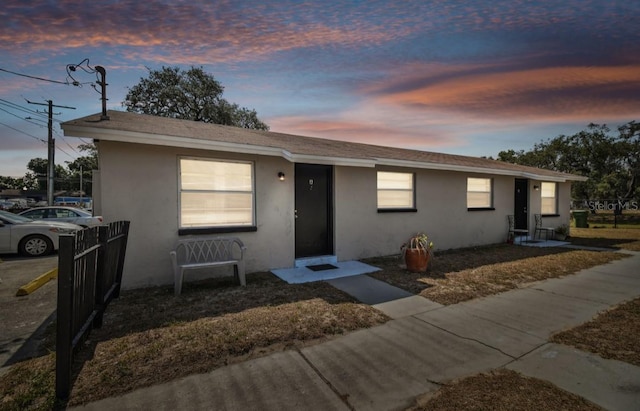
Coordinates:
151 337
502 390
461 275
614 334
623 237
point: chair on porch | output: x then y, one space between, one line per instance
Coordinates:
540 228
515 231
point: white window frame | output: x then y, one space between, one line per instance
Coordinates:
212 224
548 201
400 187
475 189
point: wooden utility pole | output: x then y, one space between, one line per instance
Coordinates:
51 144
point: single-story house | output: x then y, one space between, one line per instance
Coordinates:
290 197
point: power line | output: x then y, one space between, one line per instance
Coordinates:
20 131
66 83
13 114
20 108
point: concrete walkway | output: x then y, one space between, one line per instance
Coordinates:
424 346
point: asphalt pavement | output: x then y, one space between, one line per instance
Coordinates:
22 317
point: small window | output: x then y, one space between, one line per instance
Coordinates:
64 213
36 214
216 193
479 193
395 191
549 194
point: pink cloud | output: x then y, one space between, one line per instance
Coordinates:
185 32
558 93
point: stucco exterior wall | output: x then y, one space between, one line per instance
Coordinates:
139 183
441 202
535 205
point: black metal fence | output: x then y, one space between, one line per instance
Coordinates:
90 266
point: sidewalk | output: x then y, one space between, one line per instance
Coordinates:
425 345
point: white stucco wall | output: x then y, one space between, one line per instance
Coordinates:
139 183
361 231
535 205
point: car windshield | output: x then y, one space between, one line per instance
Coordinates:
13 218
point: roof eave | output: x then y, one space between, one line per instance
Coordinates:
186 142
166 140
481 170
135 137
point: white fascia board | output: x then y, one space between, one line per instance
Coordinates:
336 161
168 141
470 169
556 179
185 142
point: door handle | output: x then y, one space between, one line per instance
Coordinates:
295 213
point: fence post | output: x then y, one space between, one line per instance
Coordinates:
123 250
101 287
64 334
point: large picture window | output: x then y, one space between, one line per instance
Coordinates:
549 194
395 191
216 193
479 193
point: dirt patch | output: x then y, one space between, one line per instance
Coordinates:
150 337
462 275
502 390
625 238
614 334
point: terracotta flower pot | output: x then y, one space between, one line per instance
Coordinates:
416 260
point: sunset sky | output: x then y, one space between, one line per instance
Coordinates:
465 77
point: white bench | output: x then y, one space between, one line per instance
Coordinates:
207 252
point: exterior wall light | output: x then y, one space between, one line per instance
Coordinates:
535 187
281 176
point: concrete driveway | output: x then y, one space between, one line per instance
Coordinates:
20 317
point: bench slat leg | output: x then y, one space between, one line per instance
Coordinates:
177 281
238 272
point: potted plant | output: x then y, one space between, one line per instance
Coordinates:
417 251
562 232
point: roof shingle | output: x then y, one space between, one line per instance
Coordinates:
178 132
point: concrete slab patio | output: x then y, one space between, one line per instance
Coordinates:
424 346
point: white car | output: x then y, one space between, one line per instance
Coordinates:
62 213
31 238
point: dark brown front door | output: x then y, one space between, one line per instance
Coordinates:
313 208
521 200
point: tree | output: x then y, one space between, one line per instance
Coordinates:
190 95
83 166
65 178
11 183
611 162
38 168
